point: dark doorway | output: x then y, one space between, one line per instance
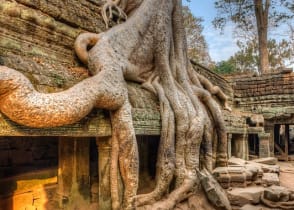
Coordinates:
253 146
283 144
148 148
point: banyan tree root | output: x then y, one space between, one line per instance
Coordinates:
149 48
111 7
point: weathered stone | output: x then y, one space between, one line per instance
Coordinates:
268 160
256 171
236 176
215 194
277 194
269 179
45 31
73 171
253 207
236 161
266 168
291 197
242 196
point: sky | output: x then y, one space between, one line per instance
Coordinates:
221 46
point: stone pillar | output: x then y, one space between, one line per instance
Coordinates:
73 171
264 145
287 139
270 129
104 159
229 145
239 146
104 155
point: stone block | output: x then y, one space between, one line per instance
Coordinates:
267 161
254 207
243 196
269 179
236 161
277 194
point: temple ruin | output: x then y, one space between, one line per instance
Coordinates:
67 167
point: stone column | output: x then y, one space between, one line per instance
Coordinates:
229 145
104 159
104 155
287 139
73 171
264 145
270 129
240 146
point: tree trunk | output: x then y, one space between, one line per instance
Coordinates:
261 14
149 48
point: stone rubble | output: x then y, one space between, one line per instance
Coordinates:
254 185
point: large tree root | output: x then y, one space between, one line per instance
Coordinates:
24 105
111 7
149 48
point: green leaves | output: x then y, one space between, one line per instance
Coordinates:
197 46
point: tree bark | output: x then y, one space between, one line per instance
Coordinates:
149 48
261 14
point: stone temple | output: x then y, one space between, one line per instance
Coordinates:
54 168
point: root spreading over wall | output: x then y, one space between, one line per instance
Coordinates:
149 48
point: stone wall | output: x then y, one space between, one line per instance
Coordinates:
215 78
272 96
255 93
36 38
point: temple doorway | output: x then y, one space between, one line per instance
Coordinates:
284 141
148 148
253 146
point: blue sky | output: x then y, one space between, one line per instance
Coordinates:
221 46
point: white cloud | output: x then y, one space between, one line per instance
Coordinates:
221 46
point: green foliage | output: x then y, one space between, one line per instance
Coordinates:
225 67
196 43
241 12
253 19
246 59
280 53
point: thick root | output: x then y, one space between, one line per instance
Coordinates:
112 7
82 43
175 197
166 153
126 151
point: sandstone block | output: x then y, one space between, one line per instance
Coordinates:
268 160
277 194
243 196
253 207
236 161
269 179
